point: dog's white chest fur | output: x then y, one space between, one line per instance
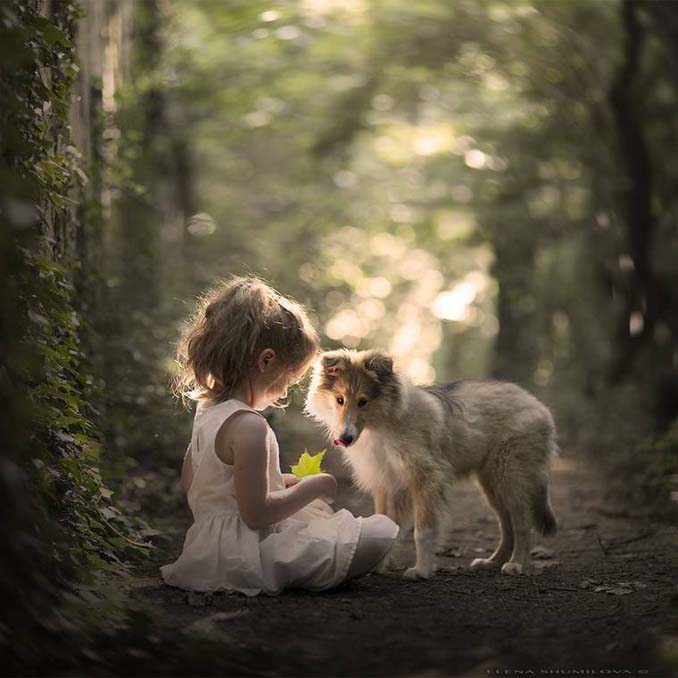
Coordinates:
375 464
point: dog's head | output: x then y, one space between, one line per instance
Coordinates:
352 390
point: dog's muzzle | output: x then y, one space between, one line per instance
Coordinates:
348 435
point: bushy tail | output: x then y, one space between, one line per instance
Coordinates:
542 513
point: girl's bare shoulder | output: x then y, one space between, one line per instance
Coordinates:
244 429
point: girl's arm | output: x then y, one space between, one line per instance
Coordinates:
259 507
187 471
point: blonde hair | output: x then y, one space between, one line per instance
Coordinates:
232 323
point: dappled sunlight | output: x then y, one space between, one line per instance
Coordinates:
434 139
454 304
404 307
346 326
454 224
400 143
329 6
379 287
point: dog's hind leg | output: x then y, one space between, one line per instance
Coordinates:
506 540
522 526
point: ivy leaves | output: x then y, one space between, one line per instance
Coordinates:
42 176
62 391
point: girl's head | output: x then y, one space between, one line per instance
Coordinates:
245 338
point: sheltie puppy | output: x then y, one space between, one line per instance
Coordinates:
407 444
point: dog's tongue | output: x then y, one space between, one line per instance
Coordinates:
338 443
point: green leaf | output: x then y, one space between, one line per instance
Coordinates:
53 35
308 464
71 401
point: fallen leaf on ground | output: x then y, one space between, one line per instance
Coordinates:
620 588
545 564
613 590
542 553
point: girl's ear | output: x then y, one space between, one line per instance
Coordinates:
266 358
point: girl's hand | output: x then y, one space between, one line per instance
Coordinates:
326 486
248 439
290 479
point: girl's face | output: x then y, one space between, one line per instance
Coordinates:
270 383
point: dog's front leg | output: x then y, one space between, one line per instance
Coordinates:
380 501
425 524
381 506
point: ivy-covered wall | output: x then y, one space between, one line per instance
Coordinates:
58 520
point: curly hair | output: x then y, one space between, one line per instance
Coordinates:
232 323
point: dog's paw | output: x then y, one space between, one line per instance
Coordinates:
415 573
512 568
484 564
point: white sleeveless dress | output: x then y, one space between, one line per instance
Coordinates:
313 549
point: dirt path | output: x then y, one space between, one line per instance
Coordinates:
603 600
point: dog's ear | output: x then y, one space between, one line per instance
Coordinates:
332 363
380 364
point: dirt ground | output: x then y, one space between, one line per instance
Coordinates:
601 600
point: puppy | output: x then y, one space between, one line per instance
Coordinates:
407 444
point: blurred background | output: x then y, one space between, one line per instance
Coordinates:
481 188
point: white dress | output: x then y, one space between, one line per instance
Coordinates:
312 549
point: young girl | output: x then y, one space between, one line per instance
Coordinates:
256 529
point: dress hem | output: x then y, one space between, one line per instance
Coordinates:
255 591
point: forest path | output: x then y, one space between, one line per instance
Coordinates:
602 600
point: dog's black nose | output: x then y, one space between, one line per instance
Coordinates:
346 438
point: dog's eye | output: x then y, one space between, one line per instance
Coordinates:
340 400
362 402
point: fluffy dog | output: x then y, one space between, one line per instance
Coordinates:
407 444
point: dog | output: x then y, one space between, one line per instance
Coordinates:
407 444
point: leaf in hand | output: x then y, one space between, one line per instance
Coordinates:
308 464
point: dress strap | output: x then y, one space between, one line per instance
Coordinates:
209 418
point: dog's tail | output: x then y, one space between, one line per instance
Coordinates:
542 512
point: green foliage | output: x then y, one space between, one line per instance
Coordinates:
653 463
667 448
63 392
60 524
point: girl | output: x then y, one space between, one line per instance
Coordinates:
255 529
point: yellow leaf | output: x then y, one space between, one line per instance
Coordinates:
308 464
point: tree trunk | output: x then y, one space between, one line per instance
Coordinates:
639 314
516 347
